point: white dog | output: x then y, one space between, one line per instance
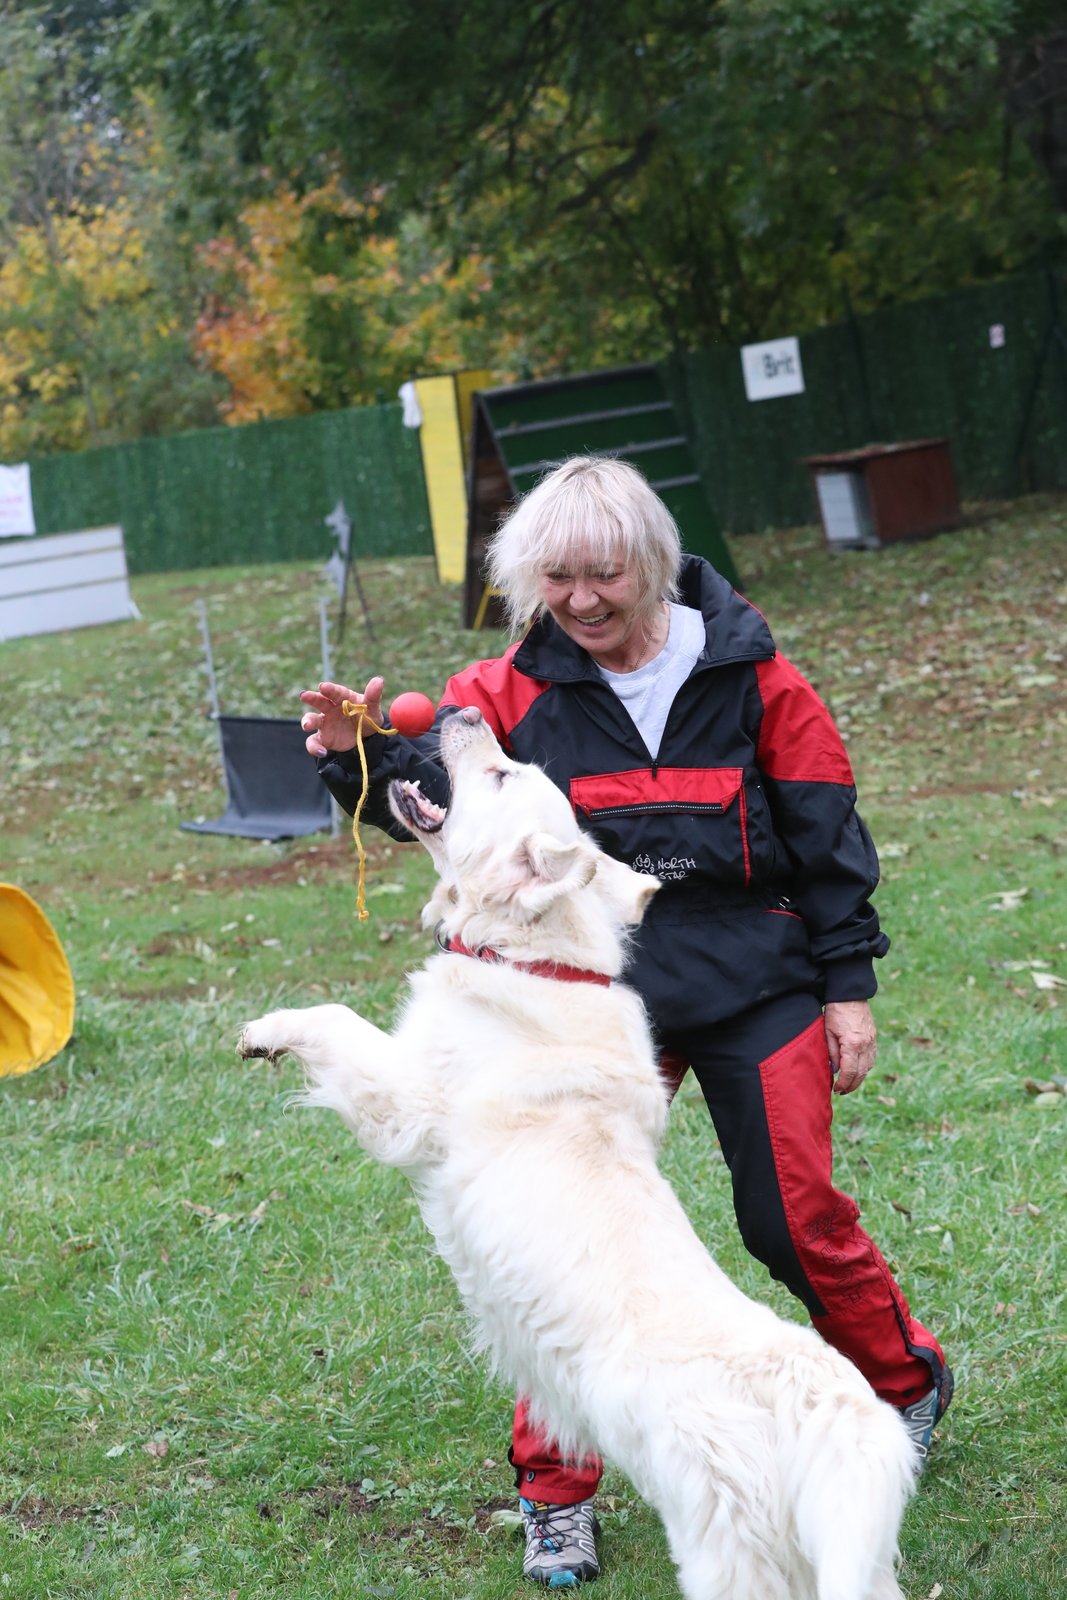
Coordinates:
777 1472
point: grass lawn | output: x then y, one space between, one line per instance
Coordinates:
231 1365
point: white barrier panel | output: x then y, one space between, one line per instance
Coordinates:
66 580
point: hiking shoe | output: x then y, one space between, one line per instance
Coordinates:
560 1543
922 1416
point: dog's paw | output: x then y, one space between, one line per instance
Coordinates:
255 1040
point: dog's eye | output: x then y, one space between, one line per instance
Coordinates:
499 773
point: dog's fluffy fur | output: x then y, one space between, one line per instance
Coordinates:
527 1113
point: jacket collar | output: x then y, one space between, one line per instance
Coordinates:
735 630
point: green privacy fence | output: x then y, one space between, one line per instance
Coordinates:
922 369
259 493
918 370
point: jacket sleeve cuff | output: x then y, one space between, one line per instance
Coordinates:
342 765
853 979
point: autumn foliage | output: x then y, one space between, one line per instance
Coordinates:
314 301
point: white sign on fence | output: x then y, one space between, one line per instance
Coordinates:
772 369
16 504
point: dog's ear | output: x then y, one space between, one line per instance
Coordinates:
628 890
550 869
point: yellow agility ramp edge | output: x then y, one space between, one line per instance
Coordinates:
445 406
36 987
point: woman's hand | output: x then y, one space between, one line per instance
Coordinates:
325 723
851 1039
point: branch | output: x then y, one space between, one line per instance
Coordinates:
597 188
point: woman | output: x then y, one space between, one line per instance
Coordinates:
653 695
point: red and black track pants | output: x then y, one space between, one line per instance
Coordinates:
766 1077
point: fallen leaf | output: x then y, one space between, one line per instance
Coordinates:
257 1214
1006 899
1048 980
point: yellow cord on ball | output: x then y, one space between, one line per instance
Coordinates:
354 708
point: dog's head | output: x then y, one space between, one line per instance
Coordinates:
509 853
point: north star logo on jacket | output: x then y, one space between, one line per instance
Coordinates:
677 867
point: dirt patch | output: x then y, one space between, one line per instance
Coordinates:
351 1501
164 991
326 859
33 1512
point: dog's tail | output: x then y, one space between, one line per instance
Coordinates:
854 1473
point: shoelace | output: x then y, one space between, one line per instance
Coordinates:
555 1523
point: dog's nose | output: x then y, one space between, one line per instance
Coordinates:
471 714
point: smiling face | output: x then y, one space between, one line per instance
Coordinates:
603 607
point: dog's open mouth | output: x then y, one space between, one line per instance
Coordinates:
414 809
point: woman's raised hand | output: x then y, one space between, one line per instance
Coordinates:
325 723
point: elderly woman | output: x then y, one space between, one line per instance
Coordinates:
653 695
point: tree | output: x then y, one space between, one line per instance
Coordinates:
1034 66
94 308
656 174
317 301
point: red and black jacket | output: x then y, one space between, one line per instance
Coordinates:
747 814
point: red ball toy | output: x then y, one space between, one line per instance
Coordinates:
412 714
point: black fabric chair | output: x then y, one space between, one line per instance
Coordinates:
274 789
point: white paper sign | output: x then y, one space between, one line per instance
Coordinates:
16 506
772 369
409 399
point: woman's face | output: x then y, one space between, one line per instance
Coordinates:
601 607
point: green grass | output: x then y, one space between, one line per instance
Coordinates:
232 1365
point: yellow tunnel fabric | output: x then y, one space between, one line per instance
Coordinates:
36 987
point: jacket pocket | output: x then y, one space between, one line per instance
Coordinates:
622 808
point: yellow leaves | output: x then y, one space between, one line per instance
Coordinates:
74 291
52 383
319 272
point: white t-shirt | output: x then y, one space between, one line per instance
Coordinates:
648 693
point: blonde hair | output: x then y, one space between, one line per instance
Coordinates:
590 511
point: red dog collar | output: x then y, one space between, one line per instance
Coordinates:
540 969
